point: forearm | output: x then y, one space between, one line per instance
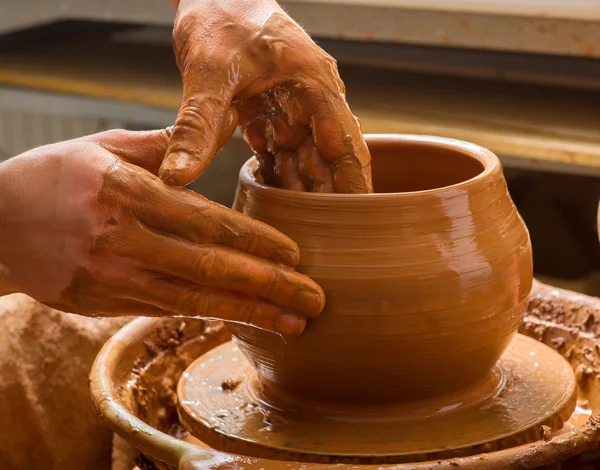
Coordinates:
6 286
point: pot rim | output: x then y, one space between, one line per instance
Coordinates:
489 161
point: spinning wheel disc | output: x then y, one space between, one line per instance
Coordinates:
221 403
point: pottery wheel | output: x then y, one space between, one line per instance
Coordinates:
530 392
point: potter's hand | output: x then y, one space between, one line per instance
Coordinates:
248 60
84 229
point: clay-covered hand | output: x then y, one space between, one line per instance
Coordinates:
248 61
86 226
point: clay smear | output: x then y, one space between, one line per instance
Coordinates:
141 366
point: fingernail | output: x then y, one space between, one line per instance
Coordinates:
176 170
310 302
289 324
289 256
169 178
176 161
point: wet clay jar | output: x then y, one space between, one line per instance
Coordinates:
426 280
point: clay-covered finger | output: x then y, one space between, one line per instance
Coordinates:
187 299
229 126
337 135
312 169
287 134
286 171
230 269
341 145
266 165
320 103
145 149
203 118
181 213
254 133
253 123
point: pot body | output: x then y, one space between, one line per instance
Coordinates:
426 280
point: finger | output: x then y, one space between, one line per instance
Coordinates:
229 127
340 143
126 308
145 149
254 133
186 214
336 131
191 300
229 269
312 169
196 139
285 134
253 122
286 171
258 106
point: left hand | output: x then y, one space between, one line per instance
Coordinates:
85 229
247 60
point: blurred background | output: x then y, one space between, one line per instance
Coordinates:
521 77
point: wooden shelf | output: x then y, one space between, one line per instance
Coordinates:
96 67
531 124
527 125
556 27
572 9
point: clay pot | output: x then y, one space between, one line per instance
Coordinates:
426 280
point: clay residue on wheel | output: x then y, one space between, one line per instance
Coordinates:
152 386
150 391
570 324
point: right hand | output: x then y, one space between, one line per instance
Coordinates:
248 62
86 229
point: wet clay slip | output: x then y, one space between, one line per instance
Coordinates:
135 375
426 280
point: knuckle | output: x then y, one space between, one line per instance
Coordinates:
110 140
118 184
331 61
202 223
204 265
189 224
116 134
248 312
186 24
200 114
112 241
271 283
195 303
246 243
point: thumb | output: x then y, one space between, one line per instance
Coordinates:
145 149
204 125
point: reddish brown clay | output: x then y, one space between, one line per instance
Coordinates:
425 281
135 375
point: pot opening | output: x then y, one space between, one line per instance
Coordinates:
408 166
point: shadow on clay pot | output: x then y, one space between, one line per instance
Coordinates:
426 280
